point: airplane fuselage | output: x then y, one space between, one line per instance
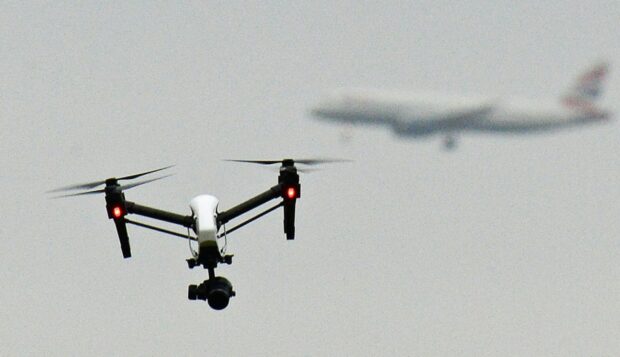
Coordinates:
420 115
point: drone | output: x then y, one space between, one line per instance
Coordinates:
206 222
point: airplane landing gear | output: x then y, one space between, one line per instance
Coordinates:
449 142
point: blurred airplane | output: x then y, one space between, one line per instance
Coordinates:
419 115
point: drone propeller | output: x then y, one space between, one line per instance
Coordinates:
288 162
125 187
116 205
89 185
80 193
305 170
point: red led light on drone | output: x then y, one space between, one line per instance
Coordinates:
117 212
291 193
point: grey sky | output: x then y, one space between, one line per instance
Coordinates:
507 246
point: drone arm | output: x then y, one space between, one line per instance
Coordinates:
228 231
132 207
159 229
273 193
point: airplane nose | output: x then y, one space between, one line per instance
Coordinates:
319 112
327 108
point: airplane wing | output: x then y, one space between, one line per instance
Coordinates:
420 121
453 114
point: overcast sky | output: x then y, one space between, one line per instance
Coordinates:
510 245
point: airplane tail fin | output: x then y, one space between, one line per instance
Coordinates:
587 88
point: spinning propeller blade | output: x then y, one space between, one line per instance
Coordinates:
124 187
260 162
82 186
132 185
89 185
131 177
321 161
301 161
80 193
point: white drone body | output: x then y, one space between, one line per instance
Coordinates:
204 211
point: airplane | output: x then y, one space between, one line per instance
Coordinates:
420 115
205 221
